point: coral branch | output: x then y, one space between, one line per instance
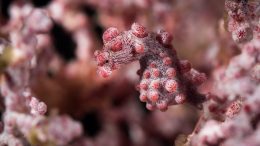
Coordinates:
241 19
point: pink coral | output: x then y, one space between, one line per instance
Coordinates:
241 15
50 94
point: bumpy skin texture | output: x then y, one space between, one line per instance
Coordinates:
165 80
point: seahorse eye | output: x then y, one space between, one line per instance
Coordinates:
101 57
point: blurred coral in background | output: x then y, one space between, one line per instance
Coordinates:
65 82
